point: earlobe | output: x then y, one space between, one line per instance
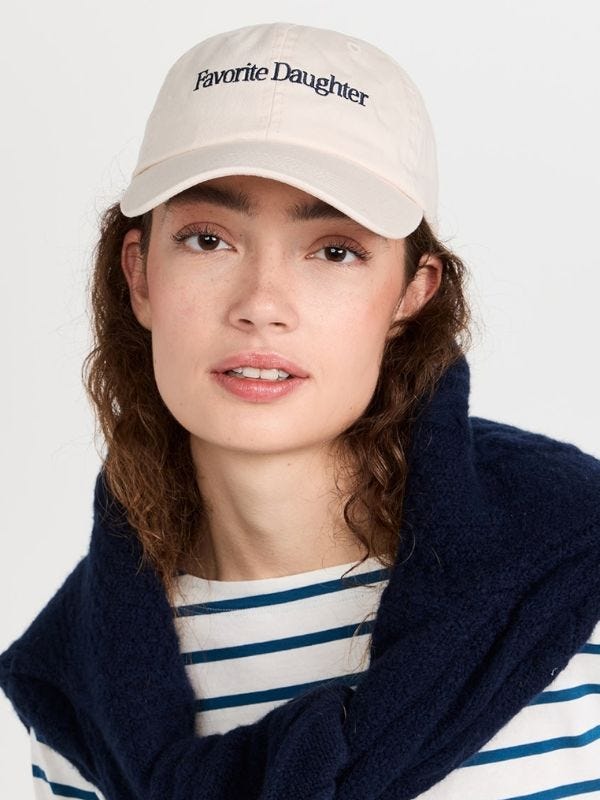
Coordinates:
135 275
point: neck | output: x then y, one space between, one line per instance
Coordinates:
270 515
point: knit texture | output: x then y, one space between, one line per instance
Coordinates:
494 588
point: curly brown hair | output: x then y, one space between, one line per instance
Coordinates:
148 464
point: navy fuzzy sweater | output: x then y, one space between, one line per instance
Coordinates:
495 586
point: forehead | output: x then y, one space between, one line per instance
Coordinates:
246 203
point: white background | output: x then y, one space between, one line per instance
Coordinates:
512 90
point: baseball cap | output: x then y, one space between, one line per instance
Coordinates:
321 110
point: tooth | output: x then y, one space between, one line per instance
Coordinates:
263 374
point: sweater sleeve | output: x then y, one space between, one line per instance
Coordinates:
54 775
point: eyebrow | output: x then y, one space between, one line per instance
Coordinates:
241 202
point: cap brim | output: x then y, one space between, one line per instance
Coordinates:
365 197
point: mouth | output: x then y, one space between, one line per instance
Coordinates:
275 375
259 365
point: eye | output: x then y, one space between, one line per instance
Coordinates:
337 250
206 239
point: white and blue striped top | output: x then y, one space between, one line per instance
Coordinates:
249 646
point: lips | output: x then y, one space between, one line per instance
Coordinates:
260 360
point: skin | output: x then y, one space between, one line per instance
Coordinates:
265 469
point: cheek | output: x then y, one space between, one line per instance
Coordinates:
178 332
355 349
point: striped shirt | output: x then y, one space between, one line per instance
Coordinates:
249 646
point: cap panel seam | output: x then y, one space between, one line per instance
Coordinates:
274 114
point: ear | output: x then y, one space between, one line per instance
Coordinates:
421 289
135 275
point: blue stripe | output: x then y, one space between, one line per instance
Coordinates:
566 790
268 695
285 596
63 789
276 645
560 695
591 648
533 748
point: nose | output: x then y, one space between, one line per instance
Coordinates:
264 295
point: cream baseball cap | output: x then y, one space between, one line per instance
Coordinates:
320 110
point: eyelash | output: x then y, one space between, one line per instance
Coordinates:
359 252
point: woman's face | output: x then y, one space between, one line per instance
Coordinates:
224 277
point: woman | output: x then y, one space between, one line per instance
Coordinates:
407 595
